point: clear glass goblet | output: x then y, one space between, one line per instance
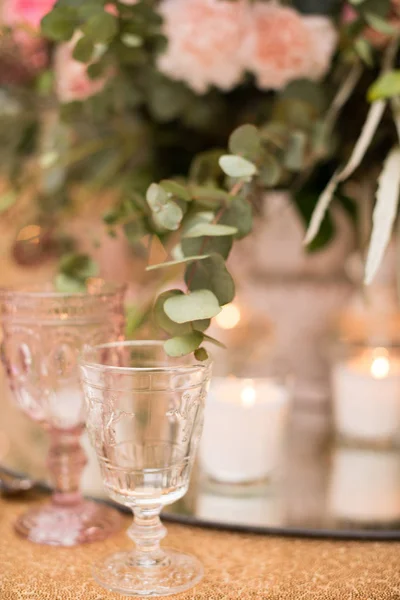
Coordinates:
145 416
43 333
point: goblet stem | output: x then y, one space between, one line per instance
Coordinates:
66 461
147 532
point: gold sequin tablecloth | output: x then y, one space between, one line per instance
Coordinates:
237 566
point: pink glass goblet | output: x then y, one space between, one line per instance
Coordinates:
43 333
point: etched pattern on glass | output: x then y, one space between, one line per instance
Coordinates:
44 331
145 415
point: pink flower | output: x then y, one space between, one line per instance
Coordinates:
203 42
25 12
282 45
72 80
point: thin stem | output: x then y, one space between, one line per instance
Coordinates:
66 461
147 532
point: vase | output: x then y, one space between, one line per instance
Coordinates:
300 293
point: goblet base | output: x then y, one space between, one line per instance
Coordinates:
57 525
122 573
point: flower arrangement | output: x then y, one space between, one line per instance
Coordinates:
186 109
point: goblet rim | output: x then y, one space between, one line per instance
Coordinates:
38 290
188 368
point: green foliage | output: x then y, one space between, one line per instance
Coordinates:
201 354
183 344
236 166
245 141
212 274
101 27
59 25
166 213
74 270
83 50
184 308
386 86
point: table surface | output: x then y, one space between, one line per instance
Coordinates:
236 566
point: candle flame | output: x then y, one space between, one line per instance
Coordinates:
229 316
380 366
248 394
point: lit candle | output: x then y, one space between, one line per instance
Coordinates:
365 485
366 394
244 426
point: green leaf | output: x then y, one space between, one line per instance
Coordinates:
7 200
68 285
221 245
364 51
78 266
379 24
131 40
270 170
295 153
163 320
83 50
201 354
209 229
59 24
201 325
209 197
156 197
236 166
169 217
201 304
245 141
212 340
171 187
173 263
305 201
239 215
101 28
213 275
386 86
166 213
183 344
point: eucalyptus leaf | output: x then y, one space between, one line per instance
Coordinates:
213 275
208 245
163 320
173 263
270 170
68 285
131 40
201 325
209 229
169 216
295 153
239 214
236 166
245 141
59 24
183 344
386 86
166 213
201 354
209 197
379 24
101 27
174 188
83 50
78 266
200 304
